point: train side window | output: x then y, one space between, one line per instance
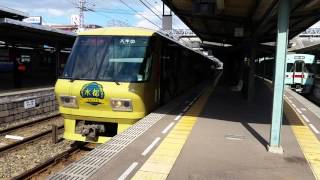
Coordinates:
146 66
289 67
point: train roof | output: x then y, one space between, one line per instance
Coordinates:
136 31
124 31
307 58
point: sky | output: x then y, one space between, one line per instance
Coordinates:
104 12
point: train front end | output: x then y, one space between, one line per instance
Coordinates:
300 72
103 88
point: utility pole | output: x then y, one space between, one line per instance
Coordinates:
82 8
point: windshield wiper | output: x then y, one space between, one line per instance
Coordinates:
115 81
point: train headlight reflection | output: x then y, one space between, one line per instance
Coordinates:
69 101
121 104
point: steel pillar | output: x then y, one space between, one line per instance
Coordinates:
281 53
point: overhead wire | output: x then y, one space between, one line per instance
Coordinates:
103 11
116 10
109 11
150 9
152 5
128 6
97 11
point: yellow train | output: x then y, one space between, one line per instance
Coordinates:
116 76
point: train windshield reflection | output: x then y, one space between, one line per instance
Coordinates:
109 58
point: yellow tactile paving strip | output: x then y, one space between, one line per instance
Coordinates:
159 164
308 143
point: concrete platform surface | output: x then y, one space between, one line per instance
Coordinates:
217 136
230 138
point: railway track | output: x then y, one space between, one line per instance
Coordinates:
28 132
23 125
34 147
30 139
56 163
19 159
35 154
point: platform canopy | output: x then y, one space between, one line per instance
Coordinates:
12 13
232 21
22 33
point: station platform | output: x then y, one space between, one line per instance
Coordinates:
214 134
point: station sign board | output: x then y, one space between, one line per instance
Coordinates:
33 20
29 104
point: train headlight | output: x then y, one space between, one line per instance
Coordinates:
69 101
121 104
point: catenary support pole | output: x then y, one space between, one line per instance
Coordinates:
281 53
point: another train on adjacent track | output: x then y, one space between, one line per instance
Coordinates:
116 76
300 72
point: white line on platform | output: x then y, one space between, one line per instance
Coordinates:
186 109
14 137
290 97
305 118
300 112
314 128
303 109
148 149
167 128
290 101
125 174
293 105
178 117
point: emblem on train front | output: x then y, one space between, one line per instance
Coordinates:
92 93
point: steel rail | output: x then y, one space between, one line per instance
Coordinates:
46 164
26 124
26 140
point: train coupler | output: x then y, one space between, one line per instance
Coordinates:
92 131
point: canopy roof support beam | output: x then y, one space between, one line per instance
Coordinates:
254 9
281 53
265 18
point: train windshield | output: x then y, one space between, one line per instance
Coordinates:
109 58
299 66
290 67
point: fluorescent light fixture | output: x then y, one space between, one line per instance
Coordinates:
29 48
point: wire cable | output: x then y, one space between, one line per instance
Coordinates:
152 5
139 14
150 9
